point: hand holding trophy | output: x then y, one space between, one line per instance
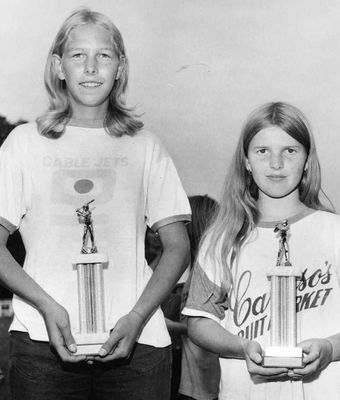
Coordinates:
282 351
89 265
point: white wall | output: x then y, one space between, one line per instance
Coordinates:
198 67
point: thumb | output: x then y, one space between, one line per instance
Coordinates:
68 338
256 357
110 344
306 350
255 353
310 353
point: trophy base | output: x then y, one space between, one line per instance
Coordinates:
90 258
283 357
90 343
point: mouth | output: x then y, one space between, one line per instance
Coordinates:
276 177
90 84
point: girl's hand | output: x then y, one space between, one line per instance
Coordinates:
253 356
58 327
122 338
317 354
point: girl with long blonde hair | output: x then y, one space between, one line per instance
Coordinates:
274 176
89 146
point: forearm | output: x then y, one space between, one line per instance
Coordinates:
335 341
209 335
172 264
19 282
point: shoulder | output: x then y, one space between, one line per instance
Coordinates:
23 131
147 143
20 136
145 137
28 128
208 263
323 220
326 216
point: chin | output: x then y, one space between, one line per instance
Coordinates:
279 194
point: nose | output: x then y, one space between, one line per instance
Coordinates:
276 161
91 66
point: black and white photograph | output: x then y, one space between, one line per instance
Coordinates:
169 200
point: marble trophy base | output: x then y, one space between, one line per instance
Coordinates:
284 357
92 333
91 343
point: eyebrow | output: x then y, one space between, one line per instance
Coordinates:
84 48
284 147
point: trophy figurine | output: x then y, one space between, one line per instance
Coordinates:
89 265
282 351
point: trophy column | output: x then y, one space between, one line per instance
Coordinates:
282 351
89 265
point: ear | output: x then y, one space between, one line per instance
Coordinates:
248 167
58 68
306 165
121 68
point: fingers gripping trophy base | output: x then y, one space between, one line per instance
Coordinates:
90 344
283 357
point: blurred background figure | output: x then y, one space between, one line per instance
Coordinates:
195 372
171 308
200 369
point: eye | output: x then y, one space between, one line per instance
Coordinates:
78 56
104 56
291 150
261 151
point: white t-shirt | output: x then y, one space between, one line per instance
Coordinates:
43 181
314 244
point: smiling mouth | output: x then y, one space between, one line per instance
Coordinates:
90 84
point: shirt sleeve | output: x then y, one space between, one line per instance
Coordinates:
167 201
204 297
12 206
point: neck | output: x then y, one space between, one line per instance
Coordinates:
271 209
83 112
86 123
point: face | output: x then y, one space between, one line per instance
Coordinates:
276 161
89 67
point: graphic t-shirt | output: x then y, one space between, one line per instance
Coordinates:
314 245
134 183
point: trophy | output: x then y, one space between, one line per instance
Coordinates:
282 351
89 265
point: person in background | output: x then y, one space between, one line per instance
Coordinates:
195 372
200 369
171 308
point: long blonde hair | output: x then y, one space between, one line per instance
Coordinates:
238 213
120 119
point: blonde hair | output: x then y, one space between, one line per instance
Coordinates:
238 213
119 119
